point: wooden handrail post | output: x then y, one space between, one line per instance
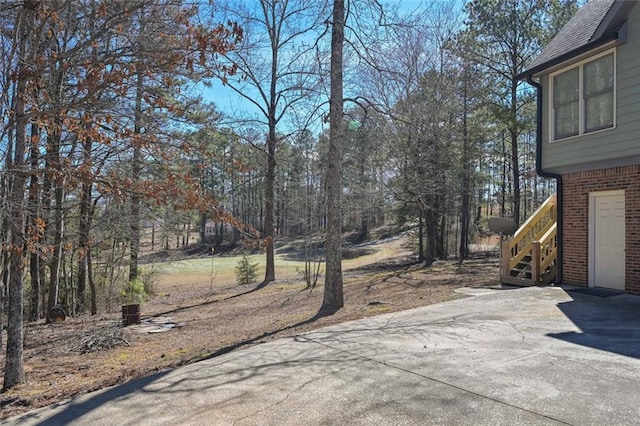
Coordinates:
535 262
506 258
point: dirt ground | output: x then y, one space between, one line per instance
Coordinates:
71 358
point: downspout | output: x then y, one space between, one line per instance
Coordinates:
542 173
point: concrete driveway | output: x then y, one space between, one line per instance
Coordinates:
521 356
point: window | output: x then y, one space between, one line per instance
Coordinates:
598 94
566 103
584 98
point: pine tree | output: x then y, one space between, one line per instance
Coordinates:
246 271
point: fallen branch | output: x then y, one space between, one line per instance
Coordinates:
102 338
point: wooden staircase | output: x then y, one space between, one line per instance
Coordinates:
529 257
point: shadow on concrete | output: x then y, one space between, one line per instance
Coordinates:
595 291
74 410
266 335
610 324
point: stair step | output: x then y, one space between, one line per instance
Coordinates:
521 246
517 281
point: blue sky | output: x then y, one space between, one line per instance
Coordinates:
229 102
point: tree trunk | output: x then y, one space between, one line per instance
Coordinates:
421 256
270 271
465 207
4 280
443 236
56 256
83 230
86 212
136 169
203 229
92 285
333 291
32 223
14 361
431 228
503 181
269 184
514 151
5 233
34 273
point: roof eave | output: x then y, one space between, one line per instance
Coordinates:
615 36
615 17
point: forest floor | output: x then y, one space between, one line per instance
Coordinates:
190 319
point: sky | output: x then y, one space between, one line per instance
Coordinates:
230 103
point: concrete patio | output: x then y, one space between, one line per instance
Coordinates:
512 356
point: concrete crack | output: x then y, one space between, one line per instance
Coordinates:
442 382
286 397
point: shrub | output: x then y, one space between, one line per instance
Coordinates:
149 276
133 292
245 270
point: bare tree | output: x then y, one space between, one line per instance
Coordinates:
333 286
56 66
276 74
25 34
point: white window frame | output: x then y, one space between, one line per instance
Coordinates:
581 123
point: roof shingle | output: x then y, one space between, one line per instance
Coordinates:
578 32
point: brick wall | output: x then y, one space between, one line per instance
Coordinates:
575 241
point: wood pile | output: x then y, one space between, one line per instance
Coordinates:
102 338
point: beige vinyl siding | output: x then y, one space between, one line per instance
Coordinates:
610 147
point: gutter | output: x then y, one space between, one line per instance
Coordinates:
540 172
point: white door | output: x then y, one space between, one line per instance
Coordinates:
607 240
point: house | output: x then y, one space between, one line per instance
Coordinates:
588 86
213 229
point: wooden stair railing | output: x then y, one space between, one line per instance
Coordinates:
529 257
543 257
